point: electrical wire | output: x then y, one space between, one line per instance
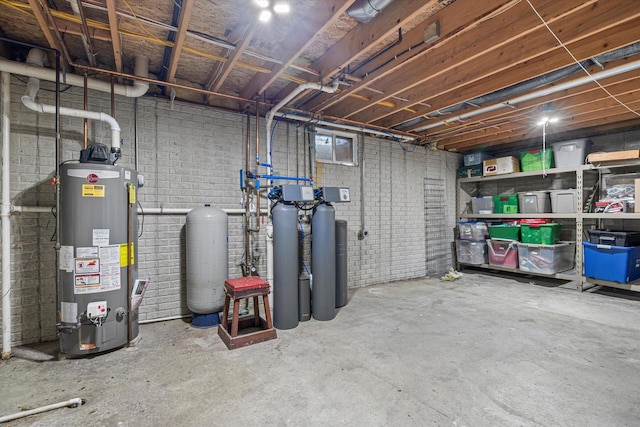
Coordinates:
25 81
612 96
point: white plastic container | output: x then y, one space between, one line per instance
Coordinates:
534 202
571 153
471 252
482 205
563 201
546 259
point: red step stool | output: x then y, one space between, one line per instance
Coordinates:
238 289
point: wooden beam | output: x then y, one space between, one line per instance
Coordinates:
183 23
363 38
115 36
574 115
38 12
453 20
580 97
517 62
480 46
215 84
320 16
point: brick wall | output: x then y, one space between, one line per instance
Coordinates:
190 156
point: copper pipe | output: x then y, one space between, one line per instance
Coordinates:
338 120
113 97
86 107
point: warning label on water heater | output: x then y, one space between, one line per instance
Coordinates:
92 190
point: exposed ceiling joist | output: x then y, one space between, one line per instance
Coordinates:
176 51
363 38
115 36
215 83
38 12
536 54
472 49
320 16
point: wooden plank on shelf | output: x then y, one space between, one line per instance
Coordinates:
613 156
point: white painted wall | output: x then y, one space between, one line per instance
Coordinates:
191 156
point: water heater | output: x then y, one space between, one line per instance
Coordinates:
97 263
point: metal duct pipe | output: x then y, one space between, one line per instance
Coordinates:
538 94
533 83
139 88
5 214
365 10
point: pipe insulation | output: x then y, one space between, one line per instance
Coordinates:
535 95
5 218
139 88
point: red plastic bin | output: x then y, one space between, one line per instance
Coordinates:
503 253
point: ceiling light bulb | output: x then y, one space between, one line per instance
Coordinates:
281 8
553 120
265 15
262 3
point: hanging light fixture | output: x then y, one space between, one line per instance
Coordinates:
269 9
546 118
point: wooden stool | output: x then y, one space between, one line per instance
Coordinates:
238 289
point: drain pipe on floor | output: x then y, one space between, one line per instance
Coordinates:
71 403
5 218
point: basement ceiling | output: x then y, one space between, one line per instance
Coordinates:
456 74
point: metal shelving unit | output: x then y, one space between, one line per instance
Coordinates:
578 217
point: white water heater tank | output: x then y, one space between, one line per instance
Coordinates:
207 259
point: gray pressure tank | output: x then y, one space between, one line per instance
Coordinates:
323 262
285 266
341 263
96 201
207 259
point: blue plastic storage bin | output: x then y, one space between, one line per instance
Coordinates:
473 159
613 263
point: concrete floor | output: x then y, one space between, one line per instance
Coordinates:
481 351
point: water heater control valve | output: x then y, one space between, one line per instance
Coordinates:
97 310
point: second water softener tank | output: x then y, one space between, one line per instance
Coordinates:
207 259
323 262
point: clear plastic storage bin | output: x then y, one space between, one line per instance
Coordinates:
473 230
471 252
546 259
482 205
571 153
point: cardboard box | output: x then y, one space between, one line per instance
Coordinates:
500 166
613 156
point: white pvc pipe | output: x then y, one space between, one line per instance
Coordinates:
345 126
271 114
138 89
535 95
145 211
76 401
5 218
72 112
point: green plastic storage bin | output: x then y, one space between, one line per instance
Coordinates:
505 204
541 234
504 232
532 160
